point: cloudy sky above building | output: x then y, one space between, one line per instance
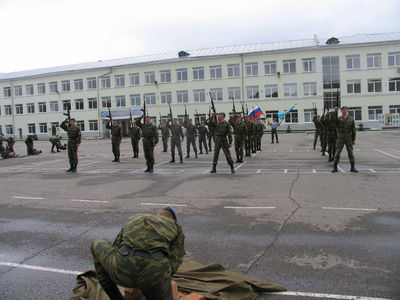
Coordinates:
45 33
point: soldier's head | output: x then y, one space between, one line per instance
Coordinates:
148 120
221 116
344 110
168 212
72 122
175 121
190 121
238 118
202 124
115 122
163 124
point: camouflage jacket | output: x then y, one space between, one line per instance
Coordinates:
164 130
250 128
149 233
191 131
73 133
135 132
239 129
259 128
317 123
149 131
346 126
203 131
176 130
222 129
116 131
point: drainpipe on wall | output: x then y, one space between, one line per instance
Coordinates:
99 120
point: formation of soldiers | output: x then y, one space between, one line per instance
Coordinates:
334 132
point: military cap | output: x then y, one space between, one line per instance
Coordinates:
172 211
222 113
72 119
344 107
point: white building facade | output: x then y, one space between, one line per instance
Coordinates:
362 71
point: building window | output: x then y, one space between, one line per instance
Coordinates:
355 113
91 83
373 112
119 80
30 108
41 88
81 125
394 84
269 67
308 115
55 128
43 127
216 94
53 106
66 104
271 91
120 101
374 60
252 69
233 70
289 66
92 103
106 102
135 99
65 86
53 86
353 62
234 93
198 73
394 59
181 75
9 129
134 79
310 89
252 92
215 72
18 90
165 76
150 98
166 97
292 117
374 85
42 107
182 96
105 82
7 110
394 109
93 125
149 77
290 90
19 109
32 128
78 84
7 92
353 86
308 64
79 104
199 95
29 89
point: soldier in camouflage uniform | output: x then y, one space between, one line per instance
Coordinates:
203 135
223 139
240 132
116 137
317 125
164 135
249 137
260 132
10 144
332 135
56 143
74 140
191 135
324 132
146 253
150 140
254 139
4 152
176 139
211 136
346 135
29 146
135 134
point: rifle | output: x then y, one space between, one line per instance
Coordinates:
160 117
109 114
144 109
315 108
68 114
170 111
247 110
197 117
337 97
244 116
233 106
186 116
213 106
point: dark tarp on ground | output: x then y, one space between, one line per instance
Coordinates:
213 281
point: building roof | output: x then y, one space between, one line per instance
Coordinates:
355 39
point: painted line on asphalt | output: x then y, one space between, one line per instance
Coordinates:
314 171
256 154
251 207
181 171
164 204
383 152
326 296
38 268
350 208
240 165
161 163
372 170
340 169
258 171
95 201
299 294
285 171
394 150
89 163
31 198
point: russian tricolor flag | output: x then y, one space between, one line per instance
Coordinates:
255 112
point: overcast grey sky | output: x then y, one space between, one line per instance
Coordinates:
43 33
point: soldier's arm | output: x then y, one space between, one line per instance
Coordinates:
138 122
79 137
181 133
155 132
64 125
118 239
229 134
177 251
353 132
109 126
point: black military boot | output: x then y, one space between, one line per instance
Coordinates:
237 159
201 151
115 159
147 169
214 169
323 153
73 169
187 156
70 168
330 157
113 292
151 168
206 151
334 170
232 169
195 155
172 160
181 159
353 169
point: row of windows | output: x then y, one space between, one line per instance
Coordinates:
54 127
373 85
374 60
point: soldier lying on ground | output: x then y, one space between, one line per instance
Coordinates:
5 151
56 143
29 146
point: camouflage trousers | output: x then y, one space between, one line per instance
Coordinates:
191 141
259 139
73 154
247 145
176 142
150 274
342 140
211 137
323 138
221 142
316 135
239 142
203 142
165 143
274 134
135 146
332 137
115 147
148 149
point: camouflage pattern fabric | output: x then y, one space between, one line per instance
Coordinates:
74 139
176 135
223 138
346 135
